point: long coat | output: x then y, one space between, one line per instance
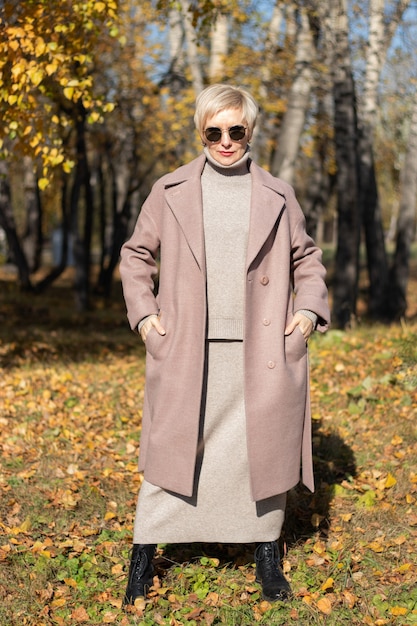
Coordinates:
284 273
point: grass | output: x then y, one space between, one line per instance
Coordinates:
70 405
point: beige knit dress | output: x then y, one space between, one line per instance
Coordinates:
221 508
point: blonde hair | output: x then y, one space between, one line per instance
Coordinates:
219 97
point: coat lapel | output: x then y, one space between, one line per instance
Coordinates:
183 195
267 205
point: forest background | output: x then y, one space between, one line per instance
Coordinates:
96 102
97 98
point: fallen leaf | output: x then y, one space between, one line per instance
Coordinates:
390 481
398 610
80 615
324 605
329 584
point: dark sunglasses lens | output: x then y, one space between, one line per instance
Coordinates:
213 134
237 132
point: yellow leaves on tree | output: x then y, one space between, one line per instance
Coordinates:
46 60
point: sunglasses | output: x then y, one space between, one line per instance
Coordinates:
236 133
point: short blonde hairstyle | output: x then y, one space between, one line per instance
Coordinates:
219 97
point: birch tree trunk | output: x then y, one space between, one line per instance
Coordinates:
219 40
283 164
176 47
368 191
264 127
345 286
192 51
406 225
379 40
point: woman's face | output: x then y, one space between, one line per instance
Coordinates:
227 151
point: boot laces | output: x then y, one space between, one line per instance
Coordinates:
140 564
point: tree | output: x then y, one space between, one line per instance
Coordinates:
292 126
346 274
381 30
46 85
406 225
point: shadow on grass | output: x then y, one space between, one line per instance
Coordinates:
309 513
46 328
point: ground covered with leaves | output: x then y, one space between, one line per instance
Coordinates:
71 390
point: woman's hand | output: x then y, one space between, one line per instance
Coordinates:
151 322
304 324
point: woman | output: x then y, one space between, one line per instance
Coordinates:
241 286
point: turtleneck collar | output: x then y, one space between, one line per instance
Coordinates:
238 168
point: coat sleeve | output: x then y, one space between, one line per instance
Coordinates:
138 263
307 270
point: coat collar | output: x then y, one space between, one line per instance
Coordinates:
183 192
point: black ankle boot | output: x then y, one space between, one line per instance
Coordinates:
269 573
141 572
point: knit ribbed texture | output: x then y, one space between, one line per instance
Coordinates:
226 209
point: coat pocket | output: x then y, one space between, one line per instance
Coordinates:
295 346
154 343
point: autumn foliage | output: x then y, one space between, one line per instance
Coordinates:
46 63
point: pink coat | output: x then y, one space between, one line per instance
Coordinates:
284 273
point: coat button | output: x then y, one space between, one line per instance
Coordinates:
266 321
264 280
271 365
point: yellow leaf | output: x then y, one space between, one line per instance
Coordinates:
376 546
51 68
71 582
12 99
43 183
324 605
396 440
69 92
40 47
36 76
328 584
390 481
405 567
319 548
99 6
398 610
67 166
93 117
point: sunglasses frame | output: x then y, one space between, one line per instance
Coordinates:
230 131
